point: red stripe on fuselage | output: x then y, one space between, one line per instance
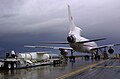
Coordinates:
88 45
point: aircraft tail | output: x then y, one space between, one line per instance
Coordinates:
74 30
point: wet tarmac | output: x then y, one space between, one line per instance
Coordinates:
45 72
81 69
109 69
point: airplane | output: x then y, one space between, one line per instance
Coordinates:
77 42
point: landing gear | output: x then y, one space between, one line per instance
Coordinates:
97 56
92 56
64 55
65 58
86 57
105 55
72 58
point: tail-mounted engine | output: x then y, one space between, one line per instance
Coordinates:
71 39
111 50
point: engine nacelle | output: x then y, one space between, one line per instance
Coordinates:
63 52
111 50
71 39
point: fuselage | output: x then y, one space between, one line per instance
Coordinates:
83 47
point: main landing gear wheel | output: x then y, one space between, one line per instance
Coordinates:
97 56
105 54
86 57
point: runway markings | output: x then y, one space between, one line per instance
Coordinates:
81 70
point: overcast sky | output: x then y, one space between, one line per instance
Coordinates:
29 21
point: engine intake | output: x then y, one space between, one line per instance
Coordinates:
111 50
71 39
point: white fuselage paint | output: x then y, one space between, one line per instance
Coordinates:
83 47
76 32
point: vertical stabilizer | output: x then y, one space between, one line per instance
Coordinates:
73 28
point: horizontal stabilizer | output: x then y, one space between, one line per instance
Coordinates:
68 43
53 42
92 40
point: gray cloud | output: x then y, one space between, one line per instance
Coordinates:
23 18
31 16
28 15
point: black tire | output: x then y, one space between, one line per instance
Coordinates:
13 65
9 66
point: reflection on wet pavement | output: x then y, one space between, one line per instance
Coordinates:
44 72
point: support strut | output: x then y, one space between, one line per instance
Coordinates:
72 58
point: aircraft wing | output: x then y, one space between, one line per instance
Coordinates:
49 47
68 43
105 46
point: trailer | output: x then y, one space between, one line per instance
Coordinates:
28 60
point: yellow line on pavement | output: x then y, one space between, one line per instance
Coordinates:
80 70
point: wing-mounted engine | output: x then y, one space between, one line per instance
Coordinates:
63 52
71 39
111 50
